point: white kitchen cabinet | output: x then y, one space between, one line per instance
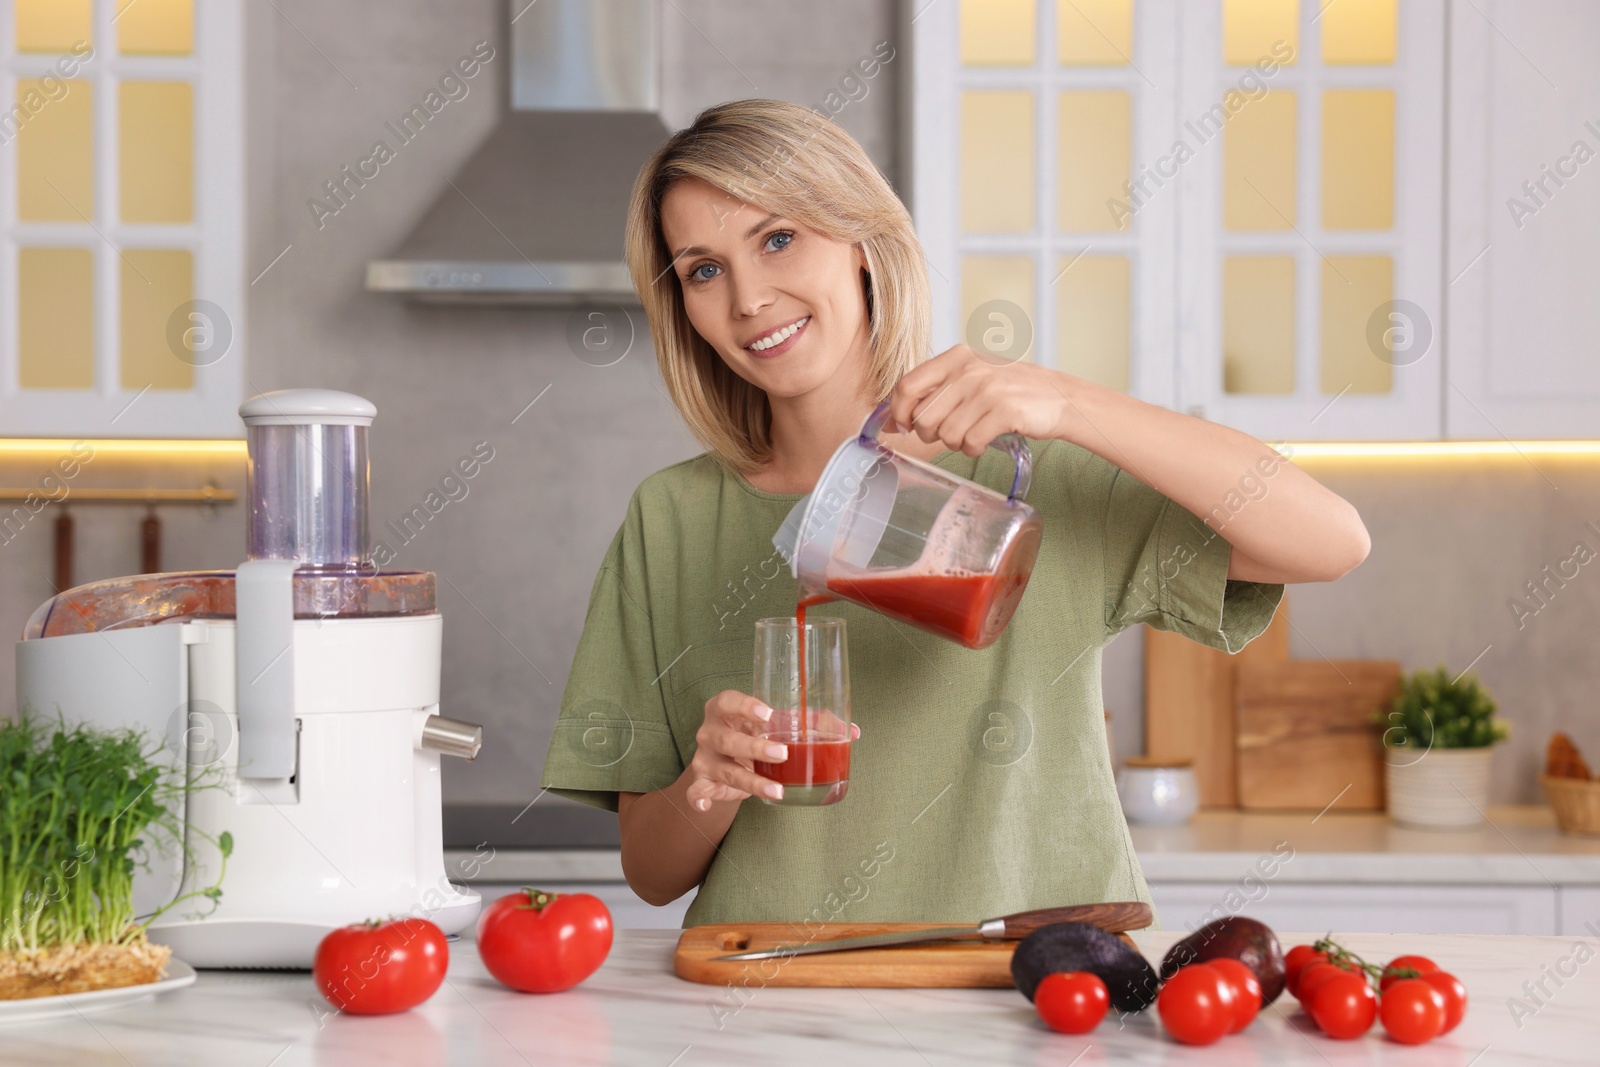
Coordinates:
122 276
1310 226
1315 318
1523 188
1580 911
1410 909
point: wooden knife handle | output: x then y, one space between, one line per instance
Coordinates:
1114 917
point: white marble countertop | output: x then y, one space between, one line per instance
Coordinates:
1518 845
634 1011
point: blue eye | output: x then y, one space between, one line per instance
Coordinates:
788 239
696 276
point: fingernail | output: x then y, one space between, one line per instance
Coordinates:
763 712
703 805
777 752
774 790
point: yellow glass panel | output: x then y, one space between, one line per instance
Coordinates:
156 283
55 328
1258 324
1251 29
1358 159
997 312
155 27
1353 289
55 150
1259 165
1359 31
1094 33
997 33
52 25
997 161
1093 316
1094 158
157 144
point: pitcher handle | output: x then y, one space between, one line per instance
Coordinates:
1013 444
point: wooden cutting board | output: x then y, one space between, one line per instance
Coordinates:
1306 735
1189 702
933 965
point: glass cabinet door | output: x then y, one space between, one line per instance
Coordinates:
120 218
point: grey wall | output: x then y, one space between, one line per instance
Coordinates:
1452 540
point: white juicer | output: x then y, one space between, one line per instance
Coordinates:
300 693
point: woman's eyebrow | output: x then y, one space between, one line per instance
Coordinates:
697 250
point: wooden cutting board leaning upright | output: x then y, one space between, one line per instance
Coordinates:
1306 735
1189 702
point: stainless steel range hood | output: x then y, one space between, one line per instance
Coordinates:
536 215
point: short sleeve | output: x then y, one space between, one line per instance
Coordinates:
613 734
1167 568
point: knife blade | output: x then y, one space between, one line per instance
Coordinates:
1113 917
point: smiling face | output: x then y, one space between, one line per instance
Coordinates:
782 304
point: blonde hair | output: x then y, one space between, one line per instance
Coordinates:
791 161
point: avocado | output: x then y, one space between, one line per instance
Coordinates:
1070 946
1247 940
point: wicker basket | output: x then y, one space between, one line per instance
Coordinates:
1577 803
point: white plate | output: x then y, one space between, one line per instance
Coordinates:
36 1009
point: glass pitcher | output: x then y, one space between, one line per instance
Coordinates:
912 541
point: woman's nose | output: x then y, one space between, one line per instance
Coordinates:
750 293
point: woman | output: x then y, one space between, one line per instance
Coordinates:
786 293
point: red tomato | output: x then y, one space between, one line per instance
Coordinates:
1196 1004
378 967
1295 961
1315 973
1421 964
1072 1002
539 942
1455 997
1246 989
1413 1011
1344 1006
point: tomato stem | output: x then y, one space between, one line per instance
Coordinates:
1340 956
537 898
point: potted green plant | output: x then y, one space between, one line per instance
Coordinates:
80 809
1438 739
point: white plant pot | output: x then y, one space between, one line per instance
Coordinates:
1443 789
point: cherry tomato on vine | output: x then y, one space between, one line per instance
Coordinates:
1413 1011
1071 1002
1455 997
1295 961
1196 1004
1316 972
1246 990
1421 964
1344 1006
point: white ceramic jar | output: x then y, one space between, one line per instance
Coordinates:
1158 792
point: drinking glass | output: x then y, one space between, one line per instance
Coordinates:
802 672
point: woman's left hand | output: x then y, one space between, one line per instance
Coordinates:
966 400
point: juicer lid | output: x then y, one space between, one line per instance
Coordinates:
307 407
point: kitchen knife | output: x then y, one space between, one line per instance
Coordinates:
1114 918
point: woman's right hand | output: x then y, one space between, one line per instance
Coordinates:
727 743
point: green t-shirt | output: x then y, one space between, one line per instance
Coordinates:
981 783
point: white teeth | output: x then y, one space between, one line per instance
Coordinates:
778 337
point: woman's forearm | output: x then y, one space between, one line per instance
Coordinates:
667 846
1288 526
